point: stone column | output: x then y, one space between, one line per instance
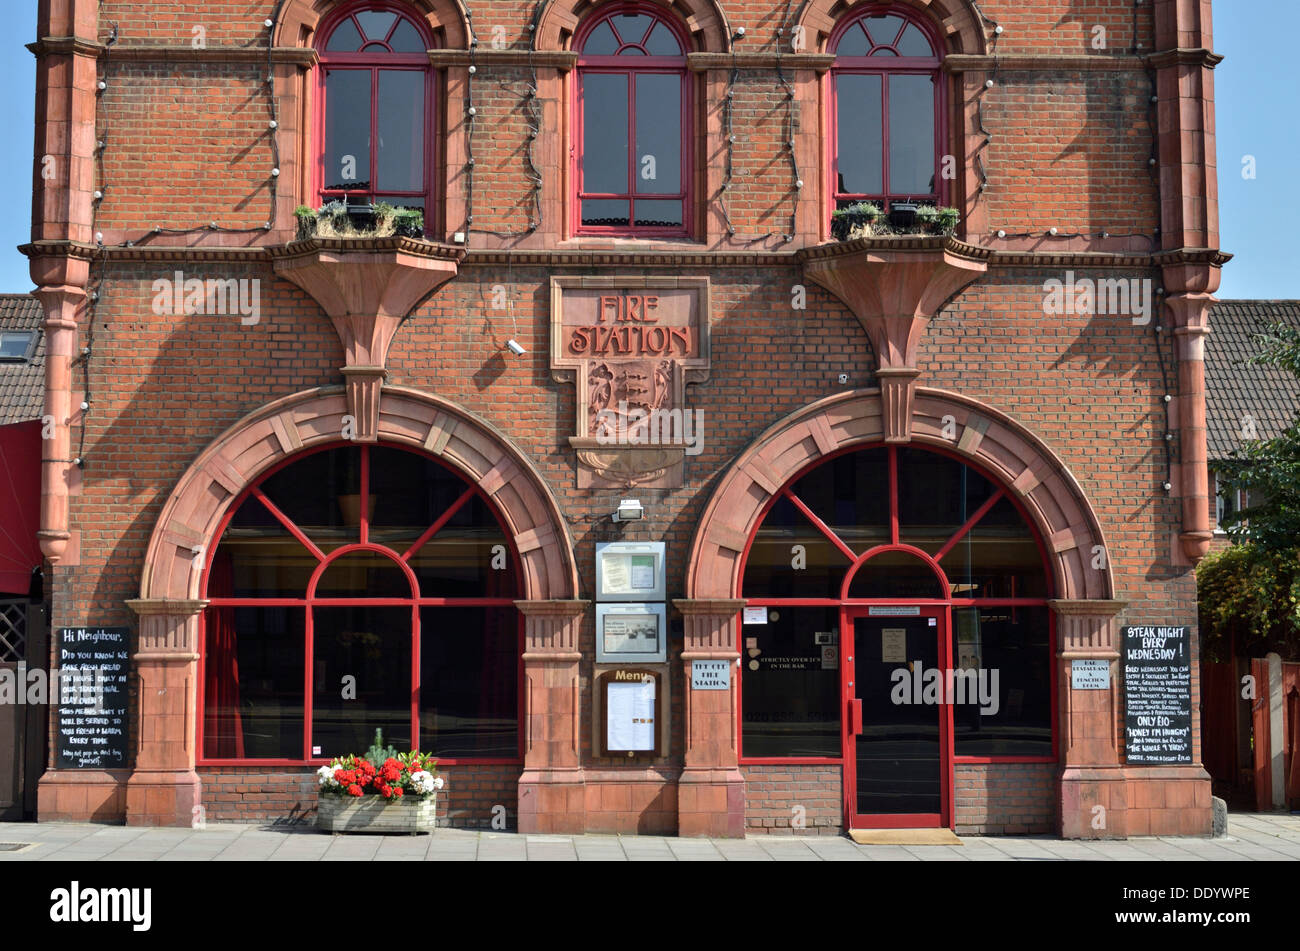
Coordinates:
552 787
1093 788
711 791
163 789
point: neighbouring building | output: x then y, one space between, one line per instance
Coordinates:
892 482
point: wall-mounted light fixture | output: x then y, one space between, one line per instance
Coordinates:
629 510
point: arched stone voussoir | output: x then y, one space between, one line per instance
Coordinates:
279 431
704 19
956 20
1035 476
447 20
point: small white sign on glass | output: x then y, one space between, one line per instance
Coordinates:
630 715
630 571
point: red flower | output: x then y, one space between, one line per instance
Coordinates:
397 791
354 790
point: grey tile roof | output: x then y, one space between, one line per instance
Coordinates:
1236 388
22 385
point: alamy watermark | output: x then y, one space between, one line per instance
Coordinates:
634 426
1112 296
921 685
178 295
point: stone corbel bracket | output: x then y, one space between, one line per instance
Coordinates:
367 287
894 286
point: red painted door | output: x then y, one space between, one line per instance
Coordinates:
898 727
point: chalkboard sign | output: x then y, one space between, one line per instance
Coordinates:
92 697
1158 695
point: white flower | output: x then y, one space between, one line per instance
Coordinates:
438 783
422 782
325 775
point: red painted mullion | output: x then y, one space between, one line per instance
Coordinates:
365 495
374 141
970 523
415 674
309 638
634 147
821 526
893 495
283 519
443 519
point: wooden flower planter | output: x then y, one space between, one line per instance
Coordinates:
409 815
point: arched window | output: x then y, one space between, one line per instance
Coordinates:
887 110
632 163
375 108
894 536
330 618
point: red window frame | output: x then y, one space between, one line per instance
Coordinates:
374 62
885 66
631 66
309 601
847 605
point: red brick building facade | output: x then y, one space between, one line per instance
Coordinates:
1075 140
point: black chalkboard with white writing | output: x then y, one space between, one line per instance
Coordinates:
1158 695
91 692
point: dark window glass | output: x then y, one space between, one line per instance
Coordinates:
914 43
850 494
1012 648
469 682
363 574
791 558
604 212
936 496
790 701
895 574
253 663
347 129
321 495
259 558
998 558
605 144
345 38
662 42
883 29
860 156
601 41
406 39
376 23
854 42
373 645
633 28
911 135
468 558
659 214
410 493
659 133
15 346
400 151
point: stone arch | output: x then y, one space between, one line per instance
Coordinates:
447 20
958 22
988 438
705 22
279 430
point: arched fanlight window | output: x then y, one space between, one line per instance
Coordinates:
887 109
889 531
632 163
375 100
361 588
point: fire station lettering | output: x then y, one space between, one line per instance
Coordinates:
630 325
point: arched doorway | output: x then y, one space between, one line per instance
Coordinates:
897 623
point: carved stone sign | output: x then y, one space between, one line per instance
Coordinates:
631 345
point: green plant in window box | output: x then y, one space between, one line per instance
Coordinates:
383 791
868 220
860 217
338 219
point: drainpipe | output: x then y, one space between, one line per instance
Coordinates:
67 57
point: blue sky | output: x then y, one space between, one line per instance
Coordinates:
1256 87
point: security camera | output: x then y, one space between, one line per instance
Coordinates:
515 347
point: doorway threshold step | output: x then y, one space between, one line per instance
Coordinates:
904 837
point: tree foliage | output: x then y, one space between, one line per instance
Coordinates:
1249 600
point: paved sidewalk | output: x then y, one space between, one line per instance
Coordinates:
1269 837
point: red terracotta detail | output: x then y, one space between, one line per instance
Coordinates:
956 20
704 19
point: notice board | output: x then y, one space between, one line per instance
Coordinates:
92 697
1158 695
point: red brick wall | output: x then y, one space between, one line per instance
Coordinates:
779 798
1006 798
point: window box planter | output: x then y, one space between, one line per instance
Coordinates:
337 219
867 220
409 815
383 791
